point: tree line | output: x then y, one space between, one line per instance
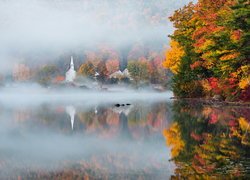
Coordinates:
209 50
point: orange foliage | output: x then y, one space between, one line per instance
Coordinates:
112 65
59 79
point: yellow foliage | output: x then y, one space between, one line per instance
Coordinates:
226 68
173 56
244 83
206 86
173 139
245 69
206 45
244 125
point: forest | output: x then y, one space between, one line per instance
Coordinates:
209 50
124 89
102 37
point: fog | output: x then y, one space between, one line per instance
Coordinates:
53 127
21 94
42 131
45 29
47 150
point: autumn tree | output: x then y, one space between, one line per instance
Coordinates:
184 81
87 69
112 65
102 72
45 74
214 38
173 56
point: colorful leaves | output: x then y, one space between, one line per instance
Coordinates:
87 69
244 125
173 139
213 118
214 38
173 56
244 83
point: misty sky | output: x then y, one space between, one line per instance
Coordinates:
55 26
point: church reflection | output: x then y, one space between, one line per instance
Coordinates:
109 121
71 111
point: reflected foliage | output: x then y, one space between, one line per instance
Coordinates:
132 127
209 142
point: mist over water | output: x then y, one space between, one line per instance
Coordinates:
48 133
115 131
52 134
32 93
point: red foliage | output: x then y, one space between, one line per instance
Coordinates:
200 33
200 42
199 159
229 86
195 136
236 35
232 123
195 65
158 61
213 118
112 65
214 83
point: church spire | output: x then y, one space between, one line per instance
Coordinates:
72 62
71 73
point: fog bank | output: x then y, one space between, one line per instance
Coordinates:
46 29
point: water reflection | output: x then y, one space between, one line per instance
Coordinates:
71 110
77 140
60 140
209 142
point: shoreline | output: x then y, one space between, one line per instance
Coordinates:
215 102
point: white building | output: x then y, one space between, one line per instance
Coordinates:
71 73
119 74
127 74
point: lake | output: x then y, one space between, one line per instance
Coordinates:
112 135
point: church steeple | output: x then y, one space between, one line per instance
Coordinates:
71 73
72 62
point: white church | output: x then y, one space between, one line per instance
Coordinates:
71 73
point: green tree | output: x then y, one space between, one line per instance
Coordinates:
240 21
138 71
46 73
185 81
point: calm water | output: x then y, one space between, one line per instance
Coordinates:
150 137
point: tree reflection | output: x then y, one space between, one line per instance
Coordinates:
209 142
96 142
